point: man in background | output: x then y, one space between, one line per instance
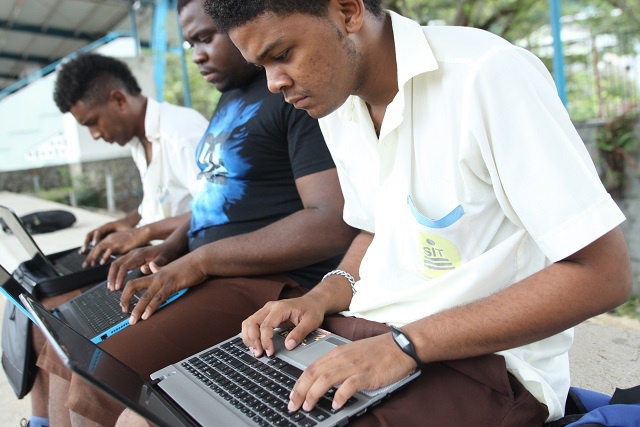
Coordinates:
102 94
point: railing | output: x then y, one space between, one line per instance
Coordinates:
602 73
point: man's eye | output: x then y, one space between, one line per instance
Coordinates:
282 56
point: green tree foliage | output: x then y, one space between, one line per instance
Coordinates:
515 19
204 96
595 87
511 19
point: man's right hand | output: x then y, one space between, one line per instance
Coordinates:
94 236
306 313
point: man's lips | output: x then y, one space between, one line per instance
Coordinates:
208 74
298 101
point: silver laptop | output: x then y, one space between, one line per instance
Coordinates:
95 313
221 386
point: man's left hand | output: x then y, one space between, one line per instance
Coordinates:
365 364
179 274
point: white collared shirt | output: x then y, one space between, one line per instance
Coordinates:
170 180
478 180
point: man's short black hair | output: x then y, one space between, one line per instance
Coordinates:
228 14
91 77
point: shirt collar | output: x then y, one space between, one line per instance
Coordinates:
152 120
413 57
413 53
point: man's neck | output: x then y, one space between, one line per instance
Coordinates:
140 110
381 84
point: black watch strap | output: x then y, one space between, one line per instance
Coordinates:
405 345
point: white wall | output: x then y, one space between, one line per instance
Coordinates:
34 134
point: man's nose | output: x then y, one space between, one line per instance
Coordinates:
95 133
198 56
277 80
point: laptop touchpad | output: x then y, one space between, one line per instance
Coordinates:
313 352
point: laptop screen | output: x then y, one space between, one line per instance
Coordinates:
105 371
14 224
11 289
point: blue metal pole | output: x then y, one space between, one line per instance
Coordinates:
558 55
159 45
183 63
134 30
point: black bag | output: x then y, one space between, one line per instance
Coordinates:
44 221
18 356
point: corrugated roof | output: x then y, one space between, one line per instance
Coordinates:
36 33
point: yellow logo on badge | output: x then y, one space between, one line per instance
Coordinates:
437 255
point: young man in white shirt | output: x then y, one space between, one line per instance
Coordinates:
103 95
486 233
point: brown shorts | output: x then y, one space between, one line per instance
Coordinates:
469 392
205 315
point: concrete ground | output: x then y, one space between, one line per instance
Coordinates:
605 355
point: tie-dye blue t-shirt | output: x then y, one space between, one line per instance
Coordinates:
255 148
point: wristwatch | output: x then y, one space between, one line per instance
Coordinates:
405 345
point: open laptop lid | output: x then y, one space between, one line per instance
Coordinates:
16 226
105 371
12 290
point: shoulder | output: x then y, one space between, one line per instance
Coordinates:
168 110
176 118
483 56
451 43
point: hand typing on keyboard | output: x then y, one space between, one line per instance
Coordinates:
361 365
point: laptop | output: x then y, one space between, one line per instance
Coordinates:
95 314
62 264
224 385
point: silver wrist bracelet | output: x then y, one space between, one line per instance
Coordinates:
346 275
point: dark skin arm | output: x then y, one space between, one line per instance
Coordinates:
314 233
595 279
94 236
122 241
174 246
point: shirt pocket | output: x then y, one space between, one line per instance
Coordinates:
441 245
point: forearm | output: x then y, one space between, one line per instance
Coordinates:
335 291
178 241
162 229
303 238
546 303
131 219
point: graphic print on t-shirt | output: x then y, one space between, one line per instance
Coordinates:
218 157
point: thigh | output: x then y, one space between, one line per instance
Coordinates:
478 391
205 315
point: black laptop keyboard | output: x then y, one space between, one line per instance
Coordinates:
101 308
259 390
70 262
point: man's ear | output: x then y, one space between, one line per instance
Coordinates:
352 13
119 98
